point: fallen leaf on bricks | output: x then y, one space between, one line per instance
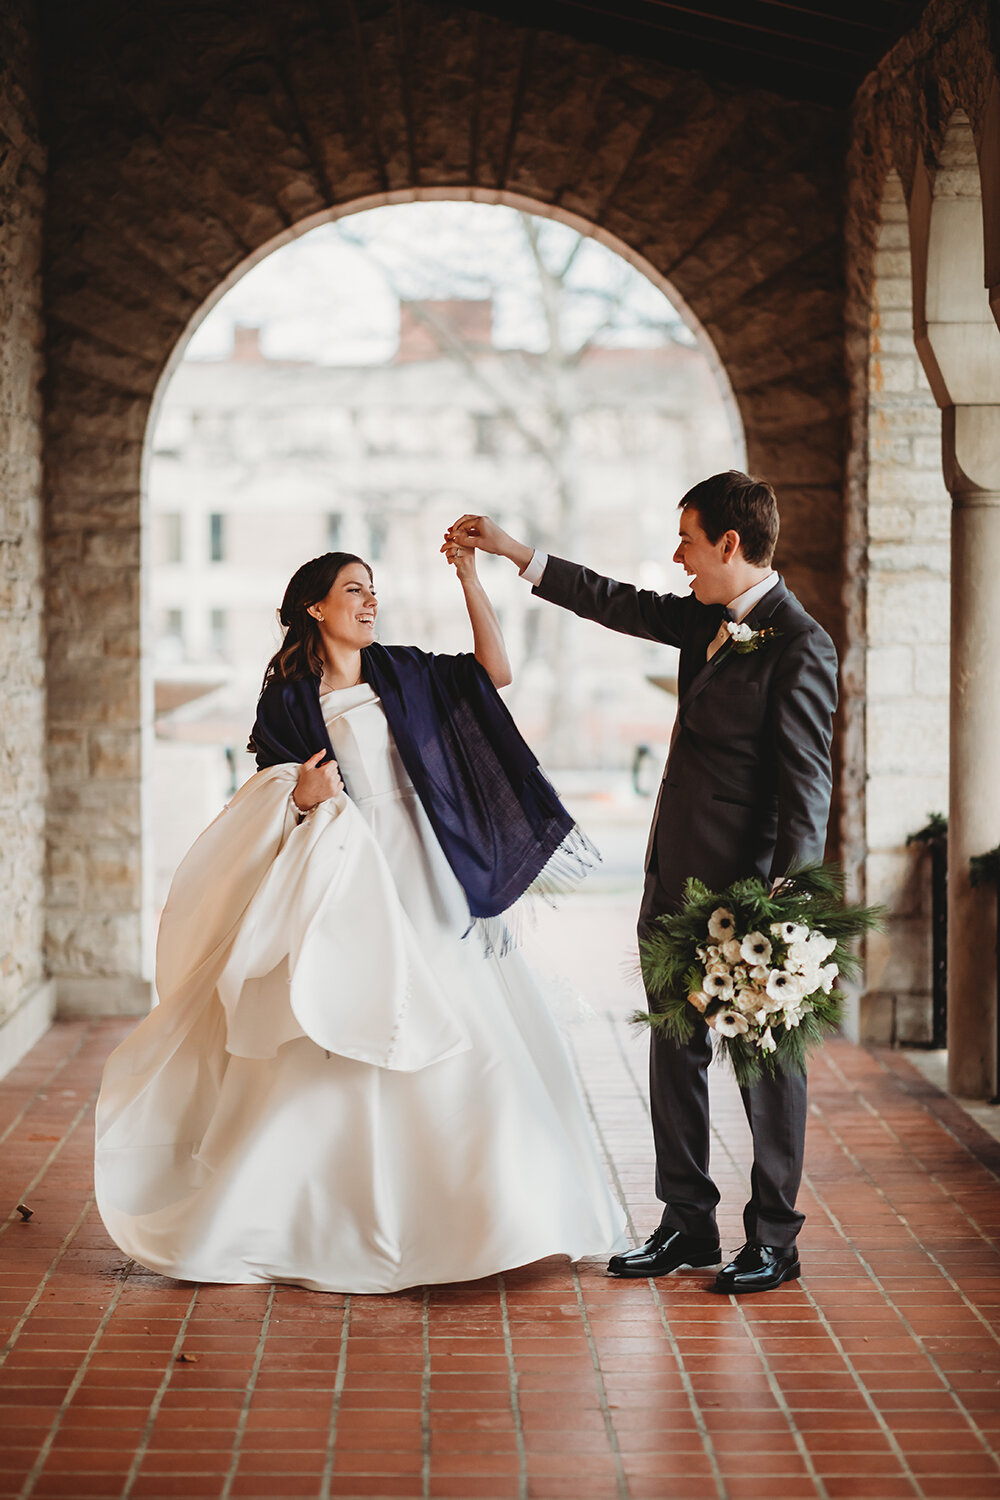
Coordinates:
188 1359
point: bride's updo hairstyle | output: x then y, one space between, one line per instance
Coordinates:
299 655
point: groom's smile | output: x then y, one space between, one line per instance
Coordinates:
704 561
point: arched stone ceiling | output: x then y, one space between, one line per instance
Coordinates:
183 137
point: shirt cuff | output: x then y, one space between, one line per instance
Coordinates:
533 571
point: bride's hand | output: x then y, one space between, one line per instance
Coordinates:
485 535
463 559
478 531
316 783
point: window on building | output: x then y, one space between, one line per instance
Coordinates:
378 530
532 632
334 531
171 538
487 433
218 632
216 538
170 641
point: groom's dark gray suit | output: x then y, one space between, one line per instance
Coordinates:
746 791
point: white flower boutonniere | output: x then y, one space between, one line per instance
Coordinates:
746 640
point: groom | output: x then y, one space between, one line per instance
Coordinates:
746 791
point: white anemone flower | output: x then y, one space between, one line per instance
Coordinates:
785 987
767 1042
729 1023
799 957
747 1002
732 951
719 984
789 932
820 946
698 1000
721 925
828 978
755 948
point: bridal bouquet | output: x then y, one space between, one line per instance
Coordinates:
760 965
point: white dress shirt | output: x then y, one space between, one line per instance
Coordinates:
534 569
741 606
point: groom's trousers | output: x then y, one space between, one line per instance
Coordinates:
776 1110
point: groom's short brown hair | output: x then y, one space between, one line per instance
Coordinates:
735 502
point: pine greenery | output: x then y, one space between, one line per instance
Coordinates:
812 897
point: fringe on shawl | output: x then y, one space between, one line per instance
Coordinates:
567 865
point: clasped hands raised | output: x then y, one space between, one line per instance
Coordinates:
472 533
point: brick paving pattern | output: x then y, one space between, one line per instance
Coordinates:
877 1375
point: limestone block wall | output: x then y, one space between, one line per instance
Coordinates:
25 998
909 522
182 153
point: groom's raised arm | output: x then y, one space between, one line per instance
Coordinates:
619 606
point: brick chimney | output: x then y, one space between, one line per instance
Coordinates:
468 320
246 345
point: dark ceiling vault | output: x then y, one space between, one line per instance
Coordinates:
817 50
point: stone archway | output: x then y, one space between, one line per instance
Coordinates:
474 195
175 160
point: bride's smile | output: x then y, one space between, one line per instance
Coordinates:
347 614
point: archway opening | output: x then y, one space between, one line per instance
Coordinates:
359 387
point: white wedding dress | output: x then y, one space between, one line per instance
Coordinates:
338 1089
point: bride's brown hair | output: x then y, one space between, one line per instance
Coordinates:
299 655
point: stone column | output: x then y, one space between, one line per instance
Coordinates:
971 438
959 347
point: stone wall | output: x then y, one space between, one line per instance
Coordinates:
25 999
897 511
181 154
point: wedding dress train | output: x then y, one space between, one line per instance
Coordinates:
338 1089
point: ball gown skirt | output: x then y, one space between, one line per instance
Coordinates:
338 1087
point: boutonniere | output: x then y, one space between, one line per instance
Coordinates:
745 640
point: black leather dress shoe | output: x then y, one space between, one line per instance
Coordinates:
665 1251
758 1268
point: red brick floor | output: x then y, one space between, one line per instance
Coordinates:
877 1375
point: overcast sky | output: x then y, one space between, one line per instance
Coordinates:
332 294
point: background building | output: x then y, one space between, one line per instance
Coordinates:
258 464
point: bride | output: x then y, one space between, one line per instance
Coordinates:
351 1081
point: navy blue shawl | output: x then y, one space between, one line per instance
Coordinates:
495 813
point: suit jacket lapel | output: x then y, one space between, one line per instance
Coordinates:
706 672
761 611
693 652
764 608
